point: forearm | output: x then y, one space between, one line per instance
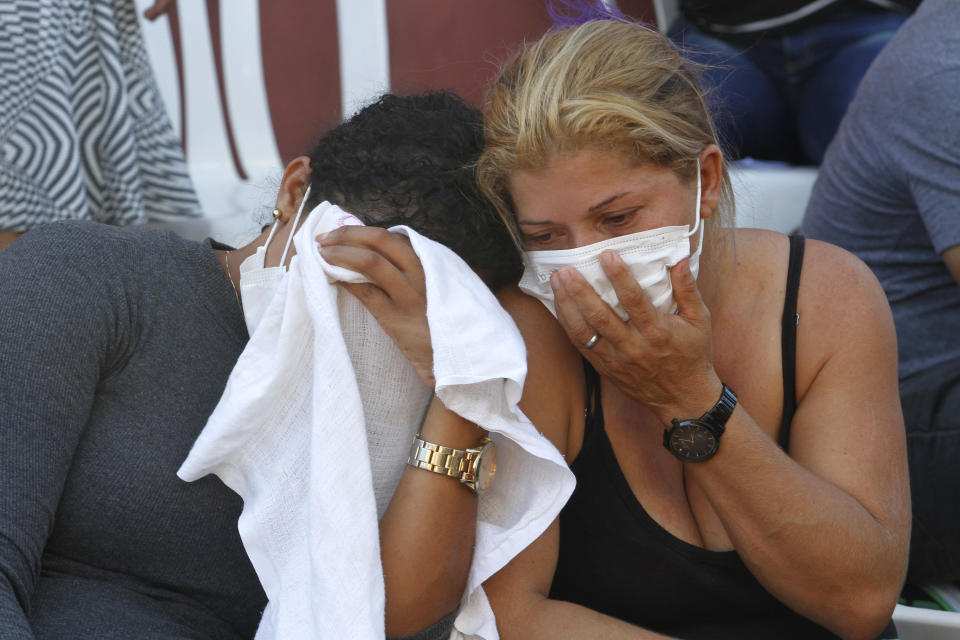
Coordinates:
427 533
518 595
812 545
439 630
540 618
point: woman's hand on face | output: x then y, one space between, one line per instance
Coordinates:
396 294
664 361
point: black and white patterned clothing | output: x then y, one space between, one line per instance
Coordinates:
83 131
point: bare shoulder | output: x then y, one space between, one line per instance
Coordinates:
554 392
541 331
840 297
834 283
834 274
845 326
847 377
846 365
530 315
841 305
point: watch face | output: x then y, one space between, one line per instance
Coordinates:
693 442
487 467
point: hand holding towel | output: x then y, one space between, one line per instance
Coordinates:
314 438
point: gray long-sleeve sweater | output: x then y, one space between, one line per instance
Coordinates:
115 345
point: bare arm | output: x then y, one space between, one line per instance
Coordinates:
951 258
838 554
518 595
554 400
427 533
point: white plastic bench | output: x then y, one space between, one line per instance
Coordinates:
230 203
915 623
772 196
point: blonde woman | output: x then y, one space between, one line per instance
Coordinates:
736 431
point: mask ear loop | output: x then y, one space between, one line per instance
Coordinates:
273 231
293 230
698 224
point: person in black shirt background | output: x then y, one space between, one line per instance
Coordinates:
781 74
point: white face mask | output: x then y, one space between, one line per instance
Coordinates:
647 254
258 283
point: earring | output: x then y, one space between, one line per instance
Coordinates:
277 214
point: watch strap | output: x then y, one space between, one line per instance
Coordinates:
436 458
468 474
716 418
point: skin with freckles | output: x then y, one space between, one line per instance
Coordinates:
838 555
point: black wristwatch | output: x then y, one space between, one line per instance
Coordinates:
698 439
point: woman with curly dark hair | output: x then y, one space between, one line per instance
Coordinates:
401 161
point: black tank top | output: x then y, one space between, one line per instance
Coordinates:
615 559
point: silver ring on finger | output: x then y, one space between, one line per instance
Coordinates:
592 342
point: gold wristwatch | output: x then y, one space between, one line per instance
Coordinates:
475 467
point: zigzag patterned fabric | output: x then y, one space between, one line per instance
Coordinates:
83 130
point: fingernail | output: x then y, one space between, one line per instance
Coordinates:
607 258
321 237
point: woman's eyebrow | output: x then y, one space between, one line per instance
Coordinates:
607 201
591 210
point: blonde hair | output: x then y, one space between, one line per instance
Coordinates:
604 83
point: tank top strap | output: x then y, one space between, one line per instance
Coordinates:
593 417
788 339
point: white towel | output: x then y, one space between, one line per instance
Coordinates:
314 438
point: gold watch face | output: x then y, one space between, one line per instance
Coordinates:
487 467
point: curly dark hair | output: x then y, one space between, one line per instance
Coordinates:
411 160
